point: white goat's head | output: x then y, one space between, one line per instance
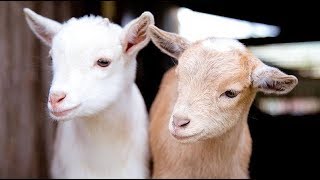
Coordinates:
93 60
217 82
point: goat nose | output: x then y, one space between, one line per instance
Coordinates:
180 122
56 97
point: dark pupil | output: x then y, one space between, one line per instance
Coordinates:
231 94
103 63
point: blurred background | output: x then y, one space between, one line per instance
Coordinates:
285 129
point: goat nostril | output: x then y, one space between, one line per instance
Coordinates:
180 122
184 124
57 97
62 98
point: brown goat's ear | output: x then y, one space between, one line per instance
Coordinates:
44 28
271 80
134 36
169 43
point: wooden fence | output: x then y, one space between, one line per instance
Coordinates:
26 131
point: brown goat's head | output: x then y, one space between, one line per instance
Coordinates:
217 81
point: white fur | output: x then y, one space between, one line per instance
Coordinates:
36 22
222 44
106 136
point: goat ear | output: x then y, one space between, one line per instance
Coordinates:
271 80
42 27
134 36
169 43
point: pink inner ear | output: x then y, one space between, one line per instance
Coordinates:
135 41
42 33
129 46
47 37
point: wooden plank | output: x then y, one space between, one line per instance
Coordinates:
26 131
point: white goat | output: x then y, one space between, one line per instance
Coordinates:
104 128
199 118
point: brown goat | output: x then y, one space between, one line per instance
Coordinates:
199 117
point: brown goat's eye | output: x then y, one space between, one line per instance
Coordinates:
231 93
103 62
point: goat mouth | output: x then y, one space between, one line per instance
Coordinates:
63 112
182 138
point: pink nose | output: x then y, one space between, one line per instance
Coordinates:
56 98
180 122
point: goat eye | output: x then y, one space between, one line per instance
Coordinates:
103 62
231 93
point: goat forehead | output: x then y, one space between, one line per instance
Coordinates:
86 37
198 59
73 46
88 31
87 41
222 44
91 24
207 66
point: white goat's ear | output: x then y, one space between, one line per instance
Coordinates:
169 43
271 80
134 36
42 27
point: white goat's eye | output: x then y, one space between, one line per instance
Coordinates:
103 62
231 93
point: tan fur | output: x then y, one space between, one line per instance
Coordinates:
200 160
217 142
